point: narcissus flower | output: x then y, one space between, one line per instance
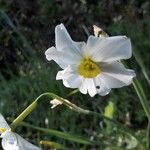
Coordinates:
11 140
92 67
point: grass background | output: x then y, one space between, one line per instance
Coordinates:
27 30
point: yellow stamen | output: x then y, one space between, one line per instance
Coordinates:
2 130
88 68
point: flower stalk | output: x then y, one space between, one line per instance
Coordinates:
71 106
140 92
23 115
123 128
29 109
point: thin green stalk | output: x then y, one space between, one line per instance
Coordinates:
66 136
88 112
29 109
140 92
141 64
72 92
23 115
72 106
7 19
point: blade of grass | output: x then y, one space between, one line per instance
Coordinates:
66 136
73 107
5 17
140 92
141 64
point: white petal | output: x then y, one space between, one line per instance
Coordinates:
79 46
93 44
50 51
73 81
60 74
66 72
9 141
25 145
94 86
89 86
63 40
62 37
116 75
3 123
13 141
101 86
83 87
63 58
109 49
69 77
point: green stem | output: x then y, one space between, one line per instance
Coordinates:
72 106
72 92
67 136
23 115
140 92
88 112
29 109
141 64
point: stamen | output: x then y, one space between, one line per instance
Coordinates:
88 68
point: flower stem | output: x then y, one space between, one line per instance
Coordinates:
88 112
29 109
23 115
140 92
141 64
72 92
72 106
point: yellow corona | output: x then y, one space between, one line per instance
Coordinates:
88 68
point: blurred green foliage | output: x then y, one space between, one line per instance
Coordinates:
27 30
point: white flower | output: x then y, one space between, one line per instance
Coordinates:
11 140
92 67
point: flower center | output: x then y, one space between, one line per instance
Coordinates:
88 68
2 130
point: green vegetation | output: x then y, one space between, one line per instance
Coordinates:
27 30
